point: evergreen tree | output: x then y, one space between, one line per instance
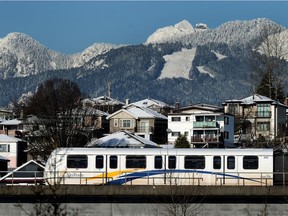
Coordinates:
182 142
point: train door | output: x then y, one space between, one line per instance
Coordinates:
101 169
218 169
230 171
280 168
112 166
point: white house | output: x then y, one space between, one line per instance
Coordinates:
261 117
204 125
13 149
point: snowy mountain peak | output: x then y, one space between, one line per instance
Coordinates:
184 26
171 33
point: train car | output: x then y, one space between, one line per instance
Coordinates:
160 166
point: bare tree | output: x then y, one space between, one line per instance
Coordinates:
181 200
55 118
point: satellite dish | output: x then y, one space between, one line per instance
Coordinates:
168 130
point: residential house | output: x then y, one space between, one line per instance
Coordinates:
142 121
30 172
258 118
5 114
94 120
14 149
104 103
204 125
156 105
3 166
122 139
13 127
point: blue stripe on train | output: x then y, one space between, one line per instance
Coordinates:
136 175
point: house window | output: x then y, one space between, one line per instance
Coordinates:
127 123
176 118
186 133
77 161
4 148
175 134
263 126
187 118
199 118
226 135
263 110
233 108
115 122
226 120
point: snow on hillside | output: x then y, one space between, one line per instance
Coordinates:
202 69
92 51
218 55
178 64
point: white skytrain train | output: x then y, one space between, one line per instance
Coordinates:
158 166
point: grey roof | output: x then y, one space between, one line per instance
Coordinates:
3 158
140 112
11 122
255 98
105 100
148 102
6 138
122 139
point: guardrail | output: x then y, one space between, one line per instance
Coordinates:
144 178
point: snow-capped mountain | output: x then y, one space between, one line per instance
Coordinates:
176 63
21 55
171 33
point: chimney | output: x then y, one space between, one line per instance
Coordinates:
127 101
177 105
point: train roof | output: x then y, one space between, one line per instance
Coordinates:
170 151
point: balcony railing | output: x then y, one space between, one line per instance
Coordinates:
144 129
264 114
204 138
205 124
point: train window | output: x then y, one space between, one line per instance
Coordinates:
135 161
77 161
172 162
194 162
250 162
113 161
230 162
216 162
158 162
99 161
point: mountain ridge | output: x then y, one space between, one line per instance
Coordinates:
215 66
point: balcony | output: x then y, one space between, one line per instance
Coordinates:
263 114
204 138
205 124
145 129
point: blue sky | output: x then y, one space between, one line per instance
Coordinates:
72 26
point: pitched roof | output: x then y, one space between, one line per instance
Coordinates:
11 122
148 102
122 139
139 112
255 98
6 138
